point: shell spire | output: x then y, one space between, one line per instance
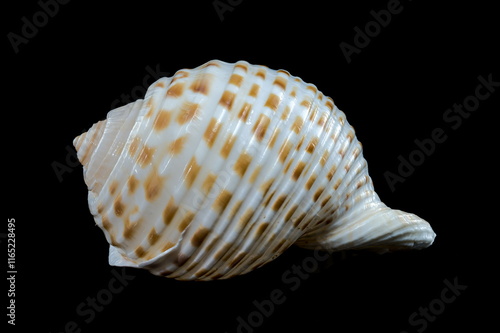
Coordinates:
222 167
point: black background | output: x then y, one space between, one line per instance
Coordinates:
394 91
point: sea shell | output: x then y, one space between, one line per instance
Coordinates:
221 168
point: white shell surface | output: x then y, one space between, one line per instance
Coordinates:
221 168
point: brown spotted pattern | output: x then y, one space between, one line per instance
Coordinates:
222 168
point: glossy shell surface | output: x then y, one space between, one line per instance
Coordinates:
222 167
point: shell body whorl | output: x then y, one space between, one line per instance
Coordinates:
223 167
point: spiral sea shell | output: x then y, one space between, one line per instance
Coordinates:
223 167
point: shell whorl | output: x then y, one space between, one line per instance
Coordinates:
223 167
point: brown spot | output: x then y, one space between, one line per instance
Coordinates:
254 90
188 218
313 113
341 120
175 90
134 145
299 219
223 251
211 132
100 208
181 74
245 111
268 199
261 126
242 66
350 136
298 170
329 103
208 183
210 63
324 158
227 99
265 187
331 172
167 246
242 163
312 145
222 200
213 242
343 149
151 110
274 136
300 143
325 201
153 237
153 185
236 79
177 145
322 119
245 218
228 145
284 151
187 112
318 193
297 124
280 82
311 181
106 224
283 72
169 211
288 165
139 251
132 184
237 259
337 184
129 228
118 206
307 103
145 156
162 120
357 151
261 73
290 213
255 173
312 88
113 187
160 85
201 272
286 113
191 171
277 248
293 93
279 202
261 229
202 84
199 236
181 259
273 101
235 209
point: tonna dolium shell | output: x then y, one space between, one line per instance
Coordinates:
222 167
